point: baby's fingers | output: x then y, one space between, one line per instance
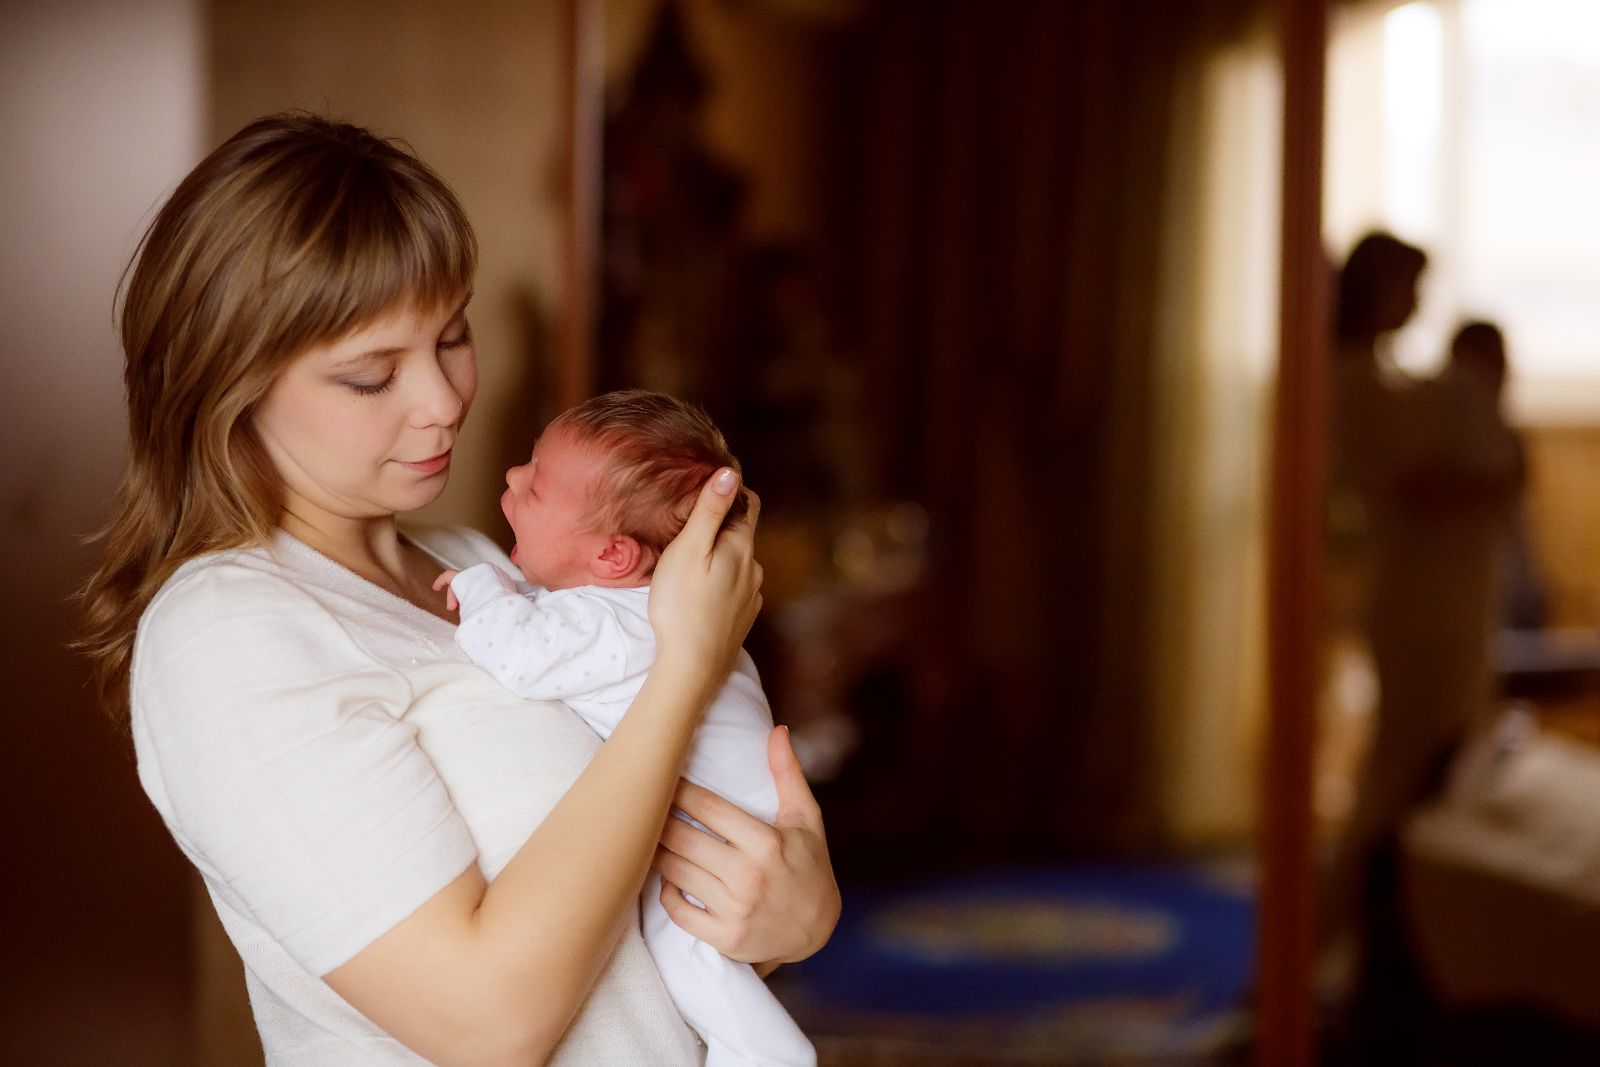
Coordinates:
443 582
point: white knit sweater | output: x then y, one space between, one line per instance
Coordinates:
329 759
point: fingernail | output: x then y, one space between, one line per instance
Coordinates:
725 481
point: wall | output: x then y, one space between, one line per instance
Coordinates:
1563 510
1211 439
765 68
480 100
100 113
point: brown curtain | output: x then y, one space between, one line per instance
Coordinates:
997 177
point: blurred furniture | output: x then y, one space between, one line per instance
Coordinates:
1549 663
1502 883
1556 672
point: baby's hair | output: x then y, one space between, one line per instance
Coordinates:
659 451
1482 342
1480 334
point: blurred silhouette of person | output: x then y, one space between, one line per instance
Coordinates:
1478 365
1432 471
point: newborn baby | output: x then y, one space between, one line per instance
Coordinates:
609 484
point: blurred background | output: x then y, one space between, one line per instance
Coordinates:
986 297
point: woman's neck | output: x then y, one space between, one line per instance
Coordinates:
371 548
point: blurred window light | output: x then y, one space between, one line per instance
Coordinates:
1413 99
1489 157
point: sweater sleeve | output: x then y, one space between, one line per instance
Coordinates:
544 644
276 750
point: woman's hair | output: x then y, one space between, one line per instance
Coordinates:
295 232
1377 264
659 451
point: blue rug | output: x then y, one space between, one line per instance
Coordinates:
1071 964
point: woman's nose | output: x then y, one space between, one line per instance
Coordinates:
438 403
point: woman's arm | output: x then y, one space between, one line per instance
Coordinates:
769 892
495 973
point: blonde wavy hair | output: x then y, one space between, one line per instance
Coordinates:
294 232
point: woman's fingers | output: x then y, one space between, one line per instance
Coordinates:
725 819
737 538
699 532
769 891
796 804
696 921
696 846
752 512
689 877
705 592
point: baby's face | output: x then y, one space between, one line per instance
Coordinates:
547 504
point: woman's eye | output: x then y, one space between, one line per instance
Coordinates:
461 340
371 388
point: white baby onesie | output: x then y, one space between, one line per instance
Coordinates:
591 647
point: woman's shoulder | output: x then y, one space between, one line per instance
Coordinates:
258 620
218 576
212 597
459 547
251 578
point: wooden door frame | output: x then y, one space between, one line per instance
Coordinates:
583 85
1285 1008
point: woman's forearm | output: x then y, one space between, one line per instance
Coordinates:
495 973
551 917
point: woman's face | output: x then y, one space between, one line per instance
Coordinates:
1397 300
362 427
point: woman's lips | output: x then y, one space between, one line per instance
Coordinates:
430 466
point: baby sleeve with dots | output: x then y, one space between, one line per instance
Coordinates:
543 644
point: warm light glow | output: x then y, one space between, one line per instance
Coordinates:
1472 127
1530 210
1413 93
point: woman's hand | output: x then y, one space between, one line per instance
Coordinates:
706 590
768 891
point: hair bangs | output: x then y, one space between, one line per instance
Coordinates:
380 236
293 233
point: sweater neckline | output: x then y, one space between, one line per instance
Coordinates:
356 583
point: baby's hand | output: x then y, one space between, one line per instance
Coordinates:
443 582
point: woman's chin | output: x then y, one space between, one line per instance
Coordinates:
418 496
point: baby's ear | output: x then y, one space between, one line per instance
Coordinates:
619 558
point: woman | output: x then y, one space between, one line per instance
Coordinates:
1432 472
411 862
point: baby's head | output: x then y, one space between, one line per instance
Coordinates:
1479 349
609 484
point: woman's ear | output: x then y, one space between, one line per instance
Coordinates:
620 558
